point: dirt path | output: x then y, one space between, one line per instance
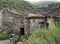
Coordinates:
4 41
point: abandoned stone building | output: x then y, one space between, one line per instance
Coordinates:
30 20
10 19
35 21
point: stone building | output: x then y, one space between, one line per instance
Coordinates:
10 19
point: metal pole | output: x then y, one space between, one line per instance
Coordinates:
11 40
14 40
46 21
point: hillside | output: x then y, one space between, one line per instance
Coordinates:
44 3
19 5
52 9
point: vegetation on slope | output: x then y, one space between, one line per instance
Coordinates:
19 5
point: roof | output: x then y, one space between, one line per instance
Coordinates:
32 15
13 11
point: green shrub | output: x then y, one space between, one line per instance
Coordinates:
5 34
9 31
55 33
43 36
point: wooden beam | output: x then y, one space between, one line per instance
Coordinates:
34 17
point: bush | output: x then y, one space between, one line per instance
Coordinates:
9 31
5 34
43 36
55 33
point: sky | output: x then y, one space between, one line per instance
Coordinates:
41 0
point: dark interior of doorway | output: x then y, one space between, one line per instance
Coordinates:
21 31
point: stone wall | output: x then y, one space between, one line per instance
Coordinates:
11 20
